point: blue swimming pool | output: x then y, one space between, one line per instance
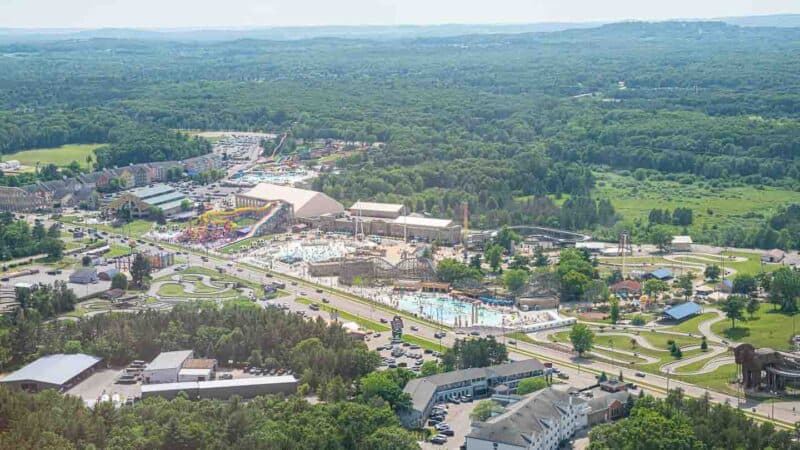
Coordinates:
447 309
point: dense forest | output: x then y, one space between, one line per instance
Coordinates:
678 422
241 332
49 420
505 123
18 239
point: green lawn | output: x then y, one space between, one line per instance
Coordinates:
717 380
236 246
133 229
216 276
176 290
117 250
712 206
768 329
691 325
752 266
60 156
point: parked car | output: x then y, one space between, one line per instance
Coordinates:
438 440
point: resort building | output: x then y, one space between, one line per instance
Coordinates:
139 201
540 421
476 382
546 418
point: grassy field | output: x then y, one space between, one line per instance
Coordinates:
691 325
176 290
717 380
236 246
768 329
712 206
60 156
134 229
117 250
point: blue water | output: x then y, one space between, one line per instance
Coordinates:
446 309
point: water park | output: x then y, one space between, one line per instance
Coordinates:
220 228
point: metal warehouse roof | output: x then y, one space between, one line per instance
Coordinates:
213 384
382 207
169 360
423 221
164 198
54 369
661 273
151 191
683 310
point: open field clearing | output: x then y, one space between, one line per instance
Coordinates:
60 156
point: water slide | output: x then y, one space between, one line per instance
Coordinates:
254 228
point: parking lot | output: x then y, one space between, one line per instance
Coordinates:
81 290
457 420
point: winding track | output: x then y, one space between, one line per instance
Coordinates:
712 355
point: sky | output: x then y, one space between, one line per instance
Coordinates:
268 13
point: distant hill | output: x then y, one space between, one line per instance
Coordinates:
287 33
350 32
775 20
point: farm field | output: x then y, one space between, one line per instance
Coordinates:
60 156
712 206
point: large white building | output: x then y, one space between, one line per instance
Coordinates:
307 204
166 367
540 421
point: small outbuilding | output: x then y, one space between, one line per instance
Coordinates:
775 255
84 275
660 274
626 288
166 366
107 274
679 313
681 244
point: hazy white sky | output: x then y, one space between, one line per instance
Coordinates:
262 13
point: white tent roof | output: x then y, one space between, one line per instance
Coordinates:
306 203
